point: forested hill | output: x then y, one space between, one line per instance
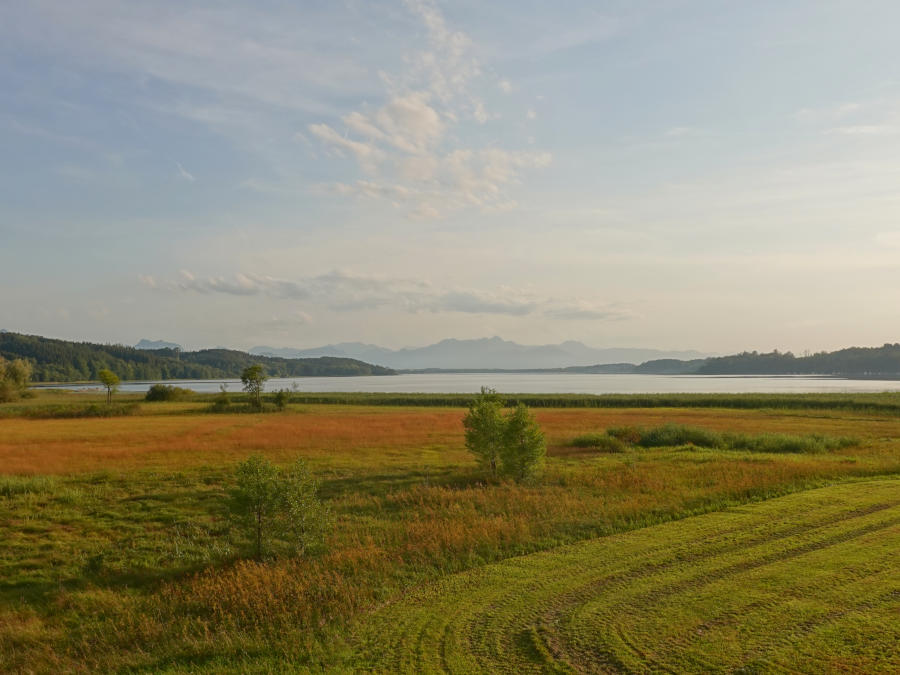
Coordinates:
858 361
64 361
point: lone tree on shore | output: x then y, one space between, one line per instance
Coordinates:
109 380
253 379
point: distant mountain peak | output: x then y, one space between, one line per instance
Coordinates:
156 344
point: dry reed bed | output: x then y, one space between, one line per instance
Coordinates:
343 436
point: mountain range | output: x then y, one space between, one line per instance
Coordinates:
484 353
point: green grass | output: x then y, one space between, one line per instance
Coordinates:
599 442
886 403
132 568
804 583
70 410
617 439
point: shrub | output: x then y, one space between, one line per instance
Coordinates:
281 398
167 392
677 434
277 510
58 411
14 378
778 443
221 401
512 444
484 429
523 450
599 442
626 434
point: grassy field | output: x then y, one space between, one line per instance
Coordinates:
809 582
117 557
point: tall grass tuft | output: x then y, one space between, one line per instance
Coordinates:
14 486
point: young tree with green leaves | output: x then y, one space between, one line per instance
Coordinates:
277 509
14 378
109 380
484 429
253 379
512 445
524 449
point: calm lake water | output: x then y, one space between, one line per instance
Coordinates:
540 383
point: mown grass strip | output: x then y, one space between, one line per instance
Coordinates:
762 586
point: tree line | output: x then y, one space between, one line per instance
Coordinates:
859 361
54 360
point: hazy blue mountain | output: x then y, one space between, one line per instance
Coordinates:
156 344
482 353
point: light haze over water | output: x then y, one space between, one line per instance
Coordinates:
539 383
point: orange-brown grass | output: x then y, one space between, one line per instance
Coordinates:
410 506
340 436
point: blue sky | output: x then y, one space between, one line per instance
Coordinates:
674 174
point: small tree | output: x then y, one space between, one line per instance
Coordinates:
109 380
484 429
276 508
253 379
14 378
222 400
524 449
281 398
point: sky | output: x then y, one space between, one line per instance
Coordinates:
674 174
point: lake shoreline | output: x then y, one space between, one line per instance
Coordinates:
525 383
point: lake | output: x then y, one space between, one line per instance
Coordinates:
538 383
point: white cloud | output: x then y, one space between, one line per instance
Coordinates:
286 321
681 132
447 66
587 311
831 113
865 130
339 291
410 124
366 154
409 147
183 173
434 185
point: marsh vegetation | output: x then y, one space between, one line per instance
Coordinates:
121 552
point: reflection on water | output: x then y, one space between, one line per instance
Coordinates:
541 383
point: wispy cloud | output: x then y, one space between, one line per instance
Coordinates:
183 173
406 146
342 292
865 130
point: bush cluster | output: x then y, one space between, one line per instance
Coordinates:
14 378
167 392
671 435
56 411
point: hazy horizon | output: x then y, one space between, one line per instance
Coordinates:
312 346
663 175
